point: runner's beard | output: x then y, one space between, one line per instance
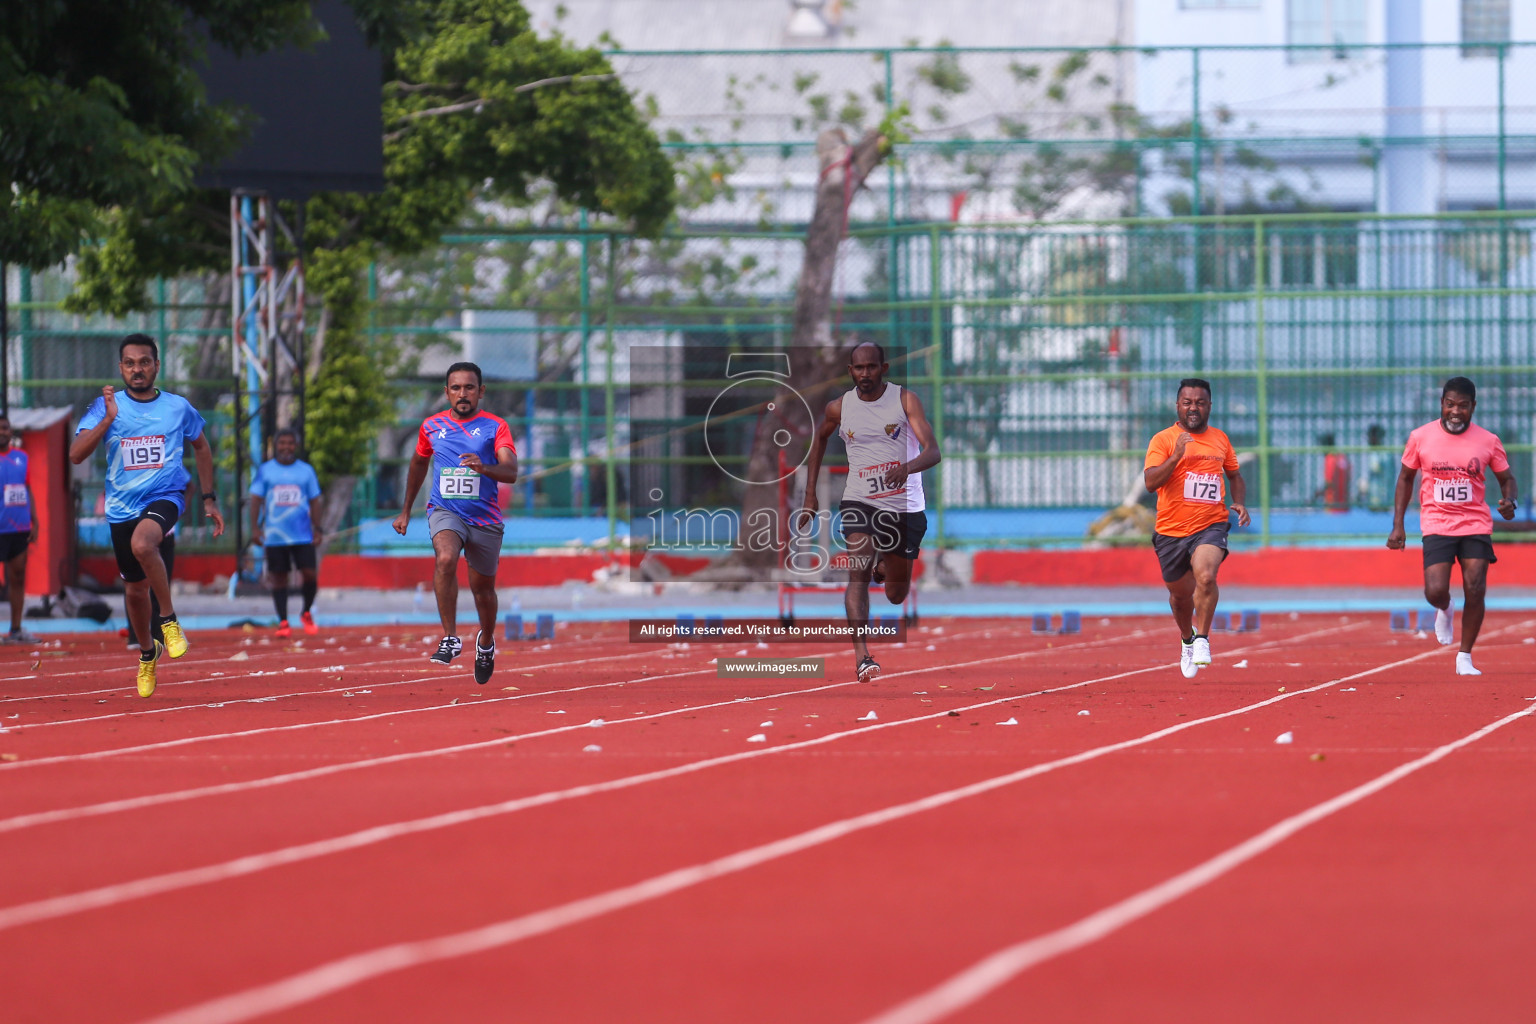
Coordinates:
1452 427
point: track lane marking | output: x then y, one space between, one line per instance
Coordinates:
60 906
437 674
238 673
92 755
18 822
989 974
346 972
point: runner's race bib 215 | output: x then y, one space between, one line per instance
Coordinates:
458 482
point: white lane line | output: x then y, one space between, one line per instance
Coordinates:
238 670
295 726
988 974
156 799
109 895
242 671
300 693
95 755
357 968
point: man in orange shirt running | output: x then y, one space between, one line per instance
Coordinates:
1185 465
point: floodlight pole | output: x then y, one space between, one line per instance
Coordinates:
267 323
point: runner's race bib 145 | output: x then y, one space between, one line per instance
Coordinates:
1453 492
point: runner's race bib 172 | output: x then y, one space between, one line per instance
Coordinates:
1204 487
144 452
458 482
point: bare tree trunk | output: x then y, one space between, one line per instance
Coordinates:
818 360
338 498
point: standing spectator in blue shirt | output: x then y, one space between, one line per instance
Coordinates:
18 527
146 435
286 494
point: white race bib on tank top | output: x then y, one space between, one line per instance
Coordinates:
879 438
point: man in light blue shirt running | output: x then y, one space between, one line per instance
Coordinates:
286 492
146 487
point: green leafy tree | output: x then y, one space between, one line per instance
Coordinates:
477 108
100 107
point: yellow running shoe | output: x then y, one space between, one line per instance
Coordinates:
147 671
175 639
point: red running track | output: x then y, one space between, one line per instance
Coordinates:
365 838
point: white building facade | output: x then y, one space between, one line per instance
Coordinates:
1393 106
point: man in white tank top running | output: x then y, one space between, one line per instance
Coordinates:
890 443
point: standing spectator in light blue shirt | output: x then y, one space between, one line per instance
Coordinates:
285 516
18 528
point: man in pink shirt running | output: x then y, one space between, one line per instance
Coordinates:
1454 457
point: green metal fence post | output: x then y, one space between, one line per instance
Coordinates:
1194 135
610 455
936 373
1503 224
1262 377
890 211
1197 313
584 396
1503 52
24 335
160 330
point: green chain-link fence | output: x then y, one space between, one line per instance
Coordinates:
1046 354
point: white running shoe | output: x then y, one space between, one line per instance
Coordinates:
1200 652
1443 626
1187 659
1464 665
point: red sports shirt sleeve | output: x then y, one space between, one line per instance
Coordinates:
424 442
1411 452
504 436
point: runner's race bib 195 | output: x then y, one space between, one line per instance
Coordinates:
15 494
458 482
144 452
1203 487
1453 492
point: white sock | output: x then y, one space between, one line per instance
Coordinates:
1464 664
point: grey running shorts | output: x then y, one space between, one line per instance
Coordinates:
1174 553
482 544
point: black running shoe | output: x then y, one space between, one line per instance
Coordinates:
485 661
869 668
450 647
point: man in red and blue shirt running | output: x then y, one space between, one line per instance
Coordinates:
468 453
